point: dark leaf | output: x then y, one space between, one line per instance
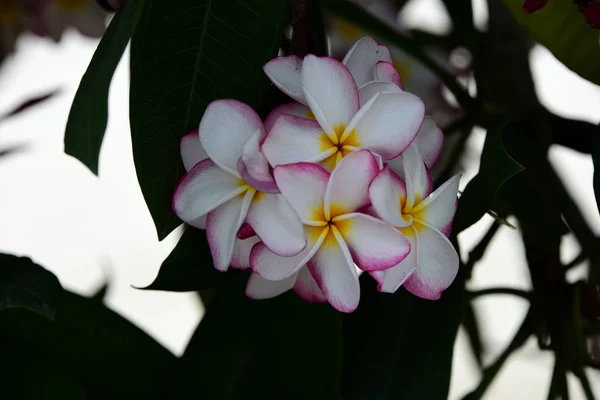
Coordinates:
185 54
29 103
100 294
89 112
596 159
24 284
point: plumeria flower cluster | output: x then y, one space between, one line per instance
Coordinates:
335 182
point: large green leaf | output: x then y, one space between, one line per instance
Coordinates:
89 112
562 29
184 54
24 284
112 358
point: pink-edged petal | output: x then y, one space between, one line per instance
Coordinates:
348 187
303 185
388 123
241 252
306 287
199 222
254 167
284 72
362 58
330 92
222 226
416 177
245 231
259 288
203 189
391 279
273 267
294 139
224 130
387 194
430 141
385 72
373 243
334 272
191 149
437 264
277 224
296 109
370 89
439 207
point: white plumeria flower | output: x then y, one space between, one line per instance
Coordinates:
425 218
338 235
228 186
301 281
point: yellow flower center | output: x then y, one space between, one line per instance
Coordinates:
322 224
341 143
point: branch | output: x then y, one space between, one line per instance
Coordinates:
501 290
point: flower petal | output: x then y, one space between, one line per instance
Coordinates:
224 130
362 58
277 224
330 92
388 123
254 167
273 267
387 194
385 72
334 272
438 209
416 177
370 89
222 226
191 150
392 278
203 189
438 264
259 288
284 72
199 222
293 139
430 141
297 109
306 287
241 252
374 244
303 185
348 186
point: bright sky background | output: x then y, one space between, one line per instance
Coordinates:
87 230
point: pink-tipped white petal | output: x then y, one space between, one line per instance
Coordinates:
199 222
391 279
191 150
438 264
296 109
259 288
385 72
430 141
222 226
284 72
374 244
388 123
203 189
370 89
273 267
303 185
241 252
330 92
293 139
245 231
334 272
416 177
362 58
254 167
348 187
277 224
306 287
438 209
224 130
387 194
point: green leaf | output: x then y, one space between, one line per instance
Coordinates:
561 27
24 284
89 111
185 54
496 168
189 266
112 357
596 159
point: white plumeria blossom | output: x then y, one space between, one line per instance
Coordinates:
229 186
425 218
338 235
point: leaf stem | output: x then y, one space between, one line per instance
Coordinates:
501 290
